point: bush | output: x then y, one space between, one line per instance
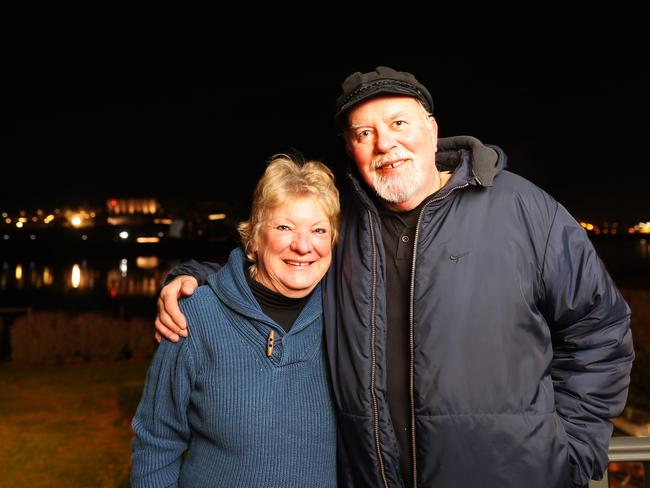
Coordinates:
59 338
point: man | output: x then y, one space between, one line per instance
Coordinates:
473 336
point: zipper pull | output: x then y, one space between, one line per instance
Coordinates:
270 342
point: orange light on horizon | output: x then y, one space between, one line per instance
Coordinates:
643 227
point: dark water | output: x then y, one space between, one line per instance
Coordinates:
130 283
125 285
627 260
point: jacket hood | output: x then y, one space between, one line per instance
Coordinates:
230 285
484 161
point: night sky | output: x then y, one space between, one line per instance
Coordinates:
166 106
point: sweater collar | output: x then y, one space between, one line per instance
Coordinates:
231 286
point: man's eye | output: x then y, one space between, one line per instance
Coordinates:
400 123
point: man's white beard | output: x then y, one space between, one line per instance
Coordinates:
399 188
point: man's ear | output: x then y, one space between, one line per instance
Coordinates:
434 130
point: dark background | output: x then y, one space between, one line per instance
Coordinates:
150 101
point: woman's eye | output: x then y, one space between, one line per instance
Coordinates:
283 227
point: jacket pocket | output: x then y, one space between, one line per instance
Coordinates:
492 451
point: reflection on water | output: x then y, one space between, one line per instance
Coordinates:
627 260
121 278
83 284
135 281
76 276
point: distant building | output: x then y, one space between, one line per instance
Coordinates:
132 206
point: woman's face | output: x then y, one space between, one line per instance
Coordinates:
294 247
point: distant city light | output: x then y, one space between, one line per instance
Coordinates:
217 216
643 227
76 220
19 272
124 266
19 225
124 234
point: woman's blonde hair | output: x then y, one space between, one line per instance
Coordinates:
285 178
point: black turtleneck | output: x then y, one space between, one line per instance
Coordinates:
283 310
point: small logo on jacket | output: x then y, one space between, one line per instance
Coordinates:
457 257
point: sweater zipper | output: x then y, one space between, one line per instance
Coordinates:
373 359
411 330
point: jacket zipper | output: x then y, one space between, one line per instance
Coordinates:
373 367
411 331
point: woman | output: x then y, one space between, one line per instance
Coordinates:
244 400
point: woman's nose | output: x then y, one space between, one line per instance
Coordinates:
301 243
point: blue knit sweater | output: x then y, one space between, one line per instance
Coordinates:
245 420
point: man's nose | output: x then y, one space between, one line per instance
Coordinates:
301 242
385 141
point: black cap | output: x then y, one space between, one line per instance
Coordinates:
383 80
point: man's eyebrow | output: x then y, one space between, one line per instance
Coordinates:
357 126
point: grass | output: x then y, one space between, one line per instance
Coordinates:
62 426
69 426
